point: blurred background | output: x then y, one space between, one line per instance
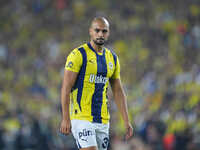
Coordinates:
158 43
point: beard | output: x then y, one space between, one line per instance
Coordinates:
99 41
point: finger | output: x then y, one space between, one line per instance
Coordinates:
63 130
63 134
128 137
66 131
129 133
69 130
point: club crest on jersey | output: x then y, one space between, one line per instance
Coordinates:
97 79
110 64
70 64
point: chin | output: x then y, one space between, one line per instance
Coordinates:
99 43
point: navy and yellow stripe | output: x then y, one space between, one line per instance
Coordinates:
99 87
81 76
89 92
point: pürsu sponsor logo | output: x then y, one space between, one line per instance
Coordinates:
85 133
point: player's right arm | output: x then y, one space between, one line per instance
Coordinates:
72 67
68 82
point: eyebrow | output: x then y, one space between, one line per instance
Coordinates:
103 30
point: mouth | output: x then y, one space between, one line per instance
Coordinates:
100 39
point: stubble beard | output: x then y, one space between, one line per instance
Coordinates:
99 43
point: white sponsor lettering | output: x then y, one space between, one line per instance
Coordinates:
97 79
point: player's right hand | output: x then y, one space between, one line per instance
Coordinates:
65 127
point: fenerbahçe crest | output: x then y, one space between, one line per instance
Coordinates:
110 64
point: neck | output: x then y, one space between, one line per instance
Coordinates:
97 48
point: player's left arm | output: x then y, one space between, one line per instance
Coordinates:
120 100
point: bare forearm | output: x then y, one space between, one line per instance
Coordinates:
68 82
120 100
65 102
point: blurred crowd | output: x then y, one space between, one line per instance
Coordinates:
157 43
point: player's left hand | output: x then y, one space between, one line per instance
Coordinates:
129 131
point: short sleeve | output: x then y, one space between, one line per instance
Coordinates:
116 74
74 61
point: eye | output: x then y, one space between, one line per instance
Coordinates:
104 31
97 30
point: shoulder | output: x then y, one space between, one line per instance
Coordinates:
82 48
79 47
78 50
110 51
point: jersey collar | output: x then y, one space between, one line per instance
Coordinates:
90 46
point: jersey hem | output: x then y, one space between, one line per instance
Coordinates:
104 121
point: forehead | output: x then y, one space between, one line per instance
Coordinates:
100 25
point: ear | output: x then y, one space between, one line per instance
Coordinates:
108 32
90 31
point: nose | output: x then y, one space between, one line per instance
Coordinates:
100 33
